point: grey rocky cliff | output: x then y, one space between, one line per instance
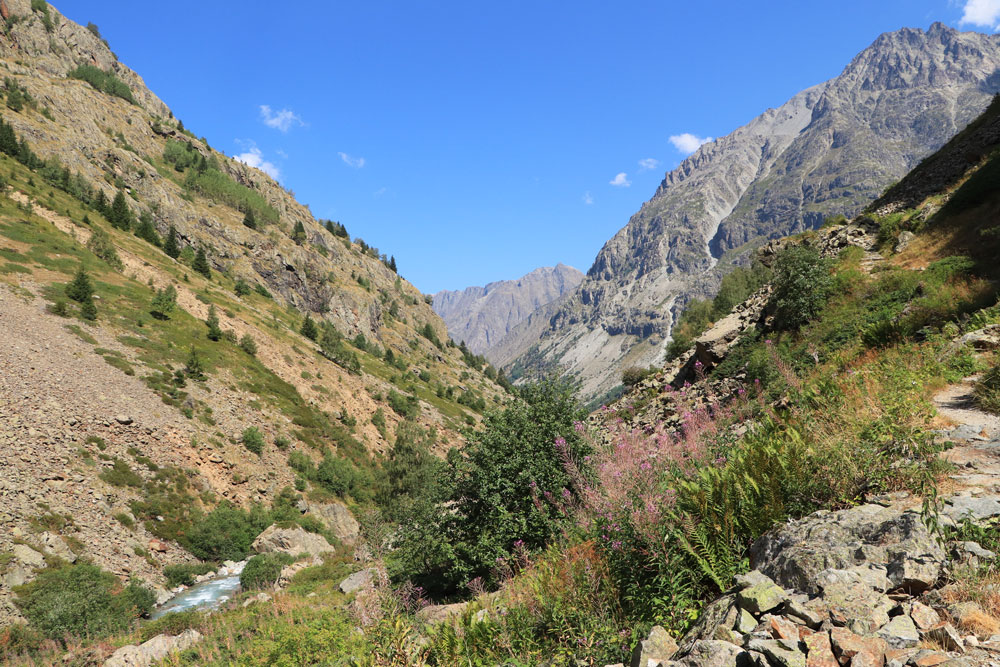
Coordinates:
829 150
482 316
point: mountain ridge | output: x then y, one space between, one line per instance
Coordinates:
828 150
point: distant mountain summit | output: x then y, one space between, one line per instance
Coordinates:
482 316
828 150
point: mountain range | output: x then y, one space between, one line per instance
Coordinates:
827 151
482 316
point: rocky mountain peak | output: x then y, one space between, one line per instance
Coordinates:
828 150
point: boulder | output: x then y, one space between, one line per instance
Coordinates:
848 647
721 613
852 601
435 613
152 651
866 536
358 580
923 616
960 508
760 597
713 653
28 556
54 545
900 632
657 647
337 519
819 651
780 653
292 541
945 636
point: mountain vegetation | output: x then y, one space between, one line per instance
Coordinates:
260 398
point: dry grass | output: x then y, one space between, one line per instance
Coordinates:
982 588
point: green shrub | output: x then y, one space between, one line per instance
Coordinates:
801 284
80 289
173 623
81 600
248 345
263 570
253 440
106 82
183 574
101 245
242 288
221 188
225 533
405 406
163 302
121 475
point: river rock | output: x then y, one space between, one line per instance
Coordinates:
154 650
292 541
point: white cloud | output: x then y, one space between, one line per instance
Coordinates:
587 198
254 158
381 191
648 163
688 143
282 120
621 180
356 162
982 13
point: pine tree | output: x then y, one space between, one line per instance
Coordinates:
194 368
309 328
120 215
163 303
101 203
214 332
88 310
392 263
200 263
249 220
8 139
80 290
146 231
299 233
329 227
170 245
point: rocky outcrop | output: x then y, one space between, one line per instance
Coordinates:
336 518
293 541
482 316
152 651
829 150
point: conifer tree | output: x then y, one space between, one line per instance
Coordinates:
214 332
146 231
392 263
299 233
88 310
101 203
309 328
194 368
249 220
163 303
120 215
80 289
170 245
200 263
329 227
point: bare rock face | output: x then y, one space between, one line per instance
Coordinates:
801 554
292 541
830 149
338 519
482 316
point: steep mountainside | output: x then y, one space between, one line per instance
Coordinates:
133 417
828 150
481 316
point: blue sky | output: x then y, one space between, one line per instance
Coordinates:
476 141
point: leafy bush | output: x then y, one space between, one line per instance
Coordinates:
633 375
81 600
121 474
801 284
262 570
183 574
405 406
507 488
225 533
106 82
101 245
248 344
173 623
163 302
253 440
